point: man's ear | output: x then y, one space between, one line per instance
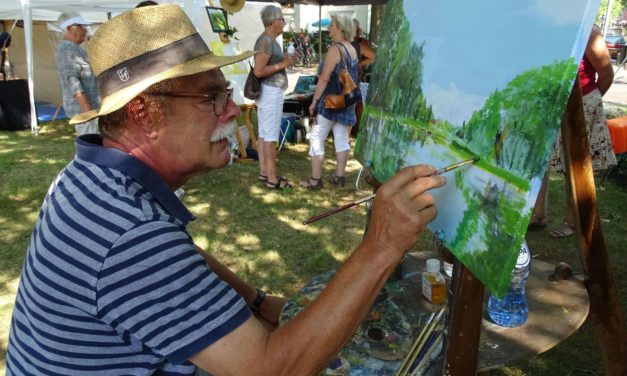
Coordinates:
138 113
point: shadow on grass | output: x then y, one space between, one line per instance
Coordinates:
259 232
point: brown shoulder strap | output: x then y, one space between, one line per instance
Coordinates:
342 55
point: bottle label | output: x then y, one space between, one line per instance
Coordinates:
434 287
524 257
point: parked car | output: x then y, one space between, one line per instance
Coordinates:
617 47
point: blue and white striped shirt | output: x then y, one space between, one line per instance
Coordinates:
111 283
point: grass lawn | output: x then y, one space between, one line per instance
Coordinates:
259 233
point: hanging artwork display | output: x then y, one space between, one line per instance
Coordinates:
454 80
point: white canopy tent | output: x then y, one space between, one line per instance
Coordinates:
49 10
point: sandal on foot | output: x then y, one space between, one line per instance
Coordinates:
340 181
264 178
564 231
307 183
536 222
281 184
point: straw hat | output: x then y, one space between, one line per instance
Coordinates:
232 6
141 47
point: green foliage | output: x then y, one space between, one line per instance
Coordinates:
517 126
618 6
397 75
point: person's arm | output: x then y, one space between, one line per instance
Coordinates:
262 58
333 56
599 56
305 344
367 55
82 100
271 306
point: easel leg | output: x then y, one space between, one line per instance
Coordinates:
56 113
464 322
606 315
246 110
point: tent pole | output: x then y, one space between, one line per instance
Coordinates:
28 36
319 34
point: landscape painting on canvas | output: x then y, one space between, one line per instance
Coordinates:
457 79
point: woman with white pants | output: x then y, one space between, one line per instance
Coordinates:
339 121
270 67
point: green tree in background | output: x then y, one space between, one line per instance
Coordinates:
618 7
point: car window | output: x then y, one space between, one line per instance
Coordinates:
614 39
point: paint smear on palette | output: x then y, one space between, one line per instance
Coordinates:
385 333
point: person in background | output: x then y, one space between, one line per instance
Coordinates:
366 58
78 83
6 70
595 77
341 31
364 51
270 68
146 3
113 283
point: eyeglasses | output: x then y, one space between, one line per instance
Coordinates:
219 99
84 27
280 19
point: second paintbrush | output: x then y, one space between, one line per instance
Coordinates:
439 171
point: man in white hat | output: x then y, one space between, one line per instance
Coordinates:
78 83
113 283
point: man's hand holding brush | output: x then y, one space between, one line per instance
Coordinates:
402 208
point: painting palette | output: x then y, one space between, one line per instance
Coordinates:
385 332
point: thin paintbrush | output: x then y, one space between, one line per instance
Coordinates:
439 171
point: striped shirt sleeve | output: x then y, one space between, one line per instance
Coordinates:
155 287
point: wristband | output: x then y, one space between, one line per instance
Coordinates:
256 305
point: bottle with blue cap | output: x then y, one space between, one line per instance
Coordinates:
512 310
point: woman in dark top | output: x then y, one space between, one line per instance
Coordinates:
270 66
341 31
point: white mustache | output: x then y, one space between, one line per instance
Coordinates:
223 132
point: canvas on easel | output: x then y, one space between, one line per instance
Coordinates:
455 80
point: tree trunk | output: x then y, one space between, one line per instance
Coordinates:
376 22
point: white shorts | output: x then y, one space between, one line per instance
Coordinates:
320 131
269 112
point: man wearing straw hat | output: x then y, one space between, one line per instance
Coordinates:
113 283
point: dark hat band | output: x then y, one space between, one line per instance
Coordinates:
151 63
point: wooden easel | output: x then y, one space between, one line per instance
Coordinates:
246 111
606 315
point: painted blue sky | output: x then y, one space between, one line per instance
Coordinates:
474 47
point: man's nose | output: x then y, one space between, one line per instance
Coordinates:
232 110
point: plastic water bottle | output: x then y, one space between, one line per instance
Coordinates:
512 310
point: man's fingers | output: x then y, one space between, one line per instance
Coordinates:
424 184
428 214
411 173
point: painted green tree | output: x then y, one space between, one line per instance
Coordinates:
516 127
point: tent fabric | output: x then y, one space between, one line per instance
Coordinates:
45 70
49 10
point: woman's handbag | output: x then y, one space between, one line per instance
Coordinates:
252 88
350 91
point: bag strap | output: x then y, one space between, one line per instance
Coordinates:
252 70
342 55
